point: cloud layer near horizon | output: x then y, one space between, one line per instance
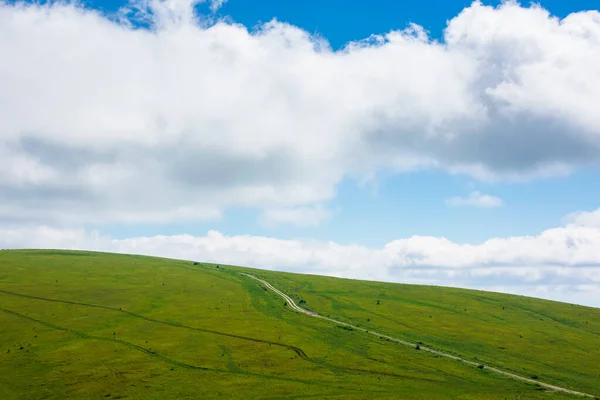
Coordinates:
185 119
561 263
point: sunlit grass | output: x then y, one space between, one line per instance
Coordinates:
89 325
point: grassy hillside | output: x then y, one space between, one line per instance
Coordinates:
557 342
94 325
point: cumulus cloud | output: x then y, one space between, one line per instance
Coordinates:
561 263
476 199
300 216
103 120
584 219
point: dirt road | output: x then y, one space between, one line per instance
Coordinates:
296 307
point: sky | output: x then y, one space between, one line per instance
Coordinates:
449 143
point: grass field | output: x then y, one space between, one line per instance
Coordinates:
94 325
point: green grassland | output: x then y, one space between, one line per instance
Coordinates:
557 342
95 325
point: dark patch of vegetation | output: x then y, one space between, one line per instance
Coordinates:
344 327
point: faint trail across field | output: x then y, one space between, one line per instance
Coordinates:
151 353
299 352
295 349
296 307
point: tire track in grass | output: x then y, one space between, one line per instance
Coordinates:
295 349
299 309
82 335
151 353
171 361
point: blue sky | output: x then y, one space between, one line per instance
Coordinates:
475 154
414 204
341 21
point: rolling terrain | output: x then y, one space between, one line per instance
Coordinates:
97 325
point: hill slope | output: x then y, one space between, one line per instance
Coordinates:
89 325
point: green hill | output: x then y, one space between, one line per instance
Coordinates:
95 325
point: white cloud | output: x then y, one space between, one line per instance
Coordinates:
584 218
476 199
300 216
101 120
561 263
216 4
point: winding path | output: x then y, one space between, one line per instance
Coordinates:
296 307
